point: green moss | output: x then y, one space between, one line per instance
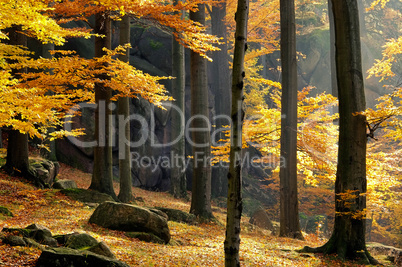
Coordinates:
318 39
5 211
155 44
2 161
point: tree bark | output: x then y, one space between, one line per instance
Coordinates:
17 162
220 86
51 154
289 206
348 237
200 125
334 85
178 185
234 200
102 178
123 111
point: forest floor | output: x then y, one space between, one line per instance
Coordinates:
191 245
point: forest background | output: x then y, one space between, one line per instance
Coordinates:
317 128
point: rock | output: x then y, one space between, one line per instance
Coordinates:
32 243
35 226
130 218
146 173
394 254
160 213
36 232
80 241
17 231
5 211
146 237
261 219
64 184
178 215
67 257
14 240
84 195
43 171
40 233
102 249
62 239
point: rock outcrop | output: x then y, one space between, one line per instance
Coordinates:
75 249
130 218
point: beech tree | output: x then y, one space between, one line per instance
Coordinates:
17 151
17 113
123 111
166 15
178 185
289 206
102 177
220 86
201 139
348 237
234 200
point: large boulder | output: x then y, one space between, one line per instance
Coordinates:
67 257
178 215
261 219
130 218
79 241
64 184
43 171
394 254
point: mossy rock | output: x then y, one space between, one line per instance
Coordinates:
14 240
33 244
18 231
146 237
62 257
81 241
84 195
102 249
178 215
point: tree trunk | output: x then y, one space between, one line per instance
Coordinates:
220 86
123 111
289 207
102 178
17 162
234 201
178 185
200 131
348 237
334 86
51 154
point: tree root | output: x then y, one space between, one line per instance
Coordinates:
362 257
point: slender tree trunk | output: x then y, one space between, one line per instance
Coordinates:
17 162
123 111
178 185
220 85
289 206
51 154
201 183
348 237
334 86
102 177
234 201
